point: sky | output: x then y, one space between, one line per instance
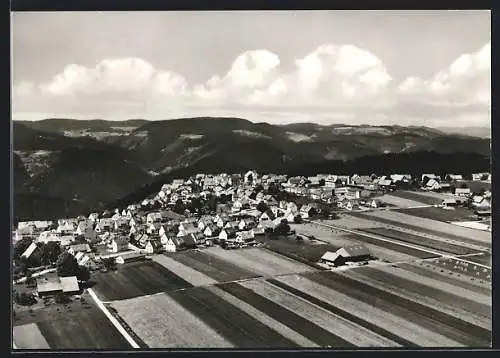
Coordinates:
427 68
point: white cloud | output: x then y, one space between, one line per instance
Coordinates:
331 82
466 81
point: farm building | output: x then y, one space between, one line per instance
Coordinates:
129 256
184 242
168 243
119 244
232 224
259 230
354 253
153 247
211 230
246 237
464 192
268 215
480 202
432 184
69 285
27 253
48 287
153 218
187 229
227 234
73 249
448 203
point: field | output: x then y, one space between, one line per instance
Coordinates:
237 326
217 269
427 226
161 323
457 214
421 241
28 336
260 261
424 198
400 202
302 251
73 326
137 279
454 330
392 246
469 306
187 273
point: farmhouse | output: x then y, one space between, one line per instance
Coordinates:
227 234
105 224
480 202
268 215
432 184
168 243
259 230
73 249
464 192
66 227
448 203
119 244
453 177
48 287
184 242
27 253
246 237
211 230
355 253
187 229
306 211
153 218
153 247
129 256
69 285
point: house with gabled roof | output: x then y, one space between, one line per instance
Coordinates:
353 253
268 215
119 243
211 230
187 229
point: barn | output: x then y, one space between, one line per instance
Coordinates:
354 253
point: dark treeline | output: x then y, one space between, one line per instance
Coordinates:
403 163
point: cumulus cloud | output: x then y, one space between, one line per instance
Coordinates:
466 81
331 82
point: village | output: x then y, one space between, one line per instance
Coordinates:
188 233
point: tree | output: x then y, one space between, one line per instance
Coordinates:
83 273
322 182
463 186
297 219
282 228
50 252
262 207
21 247
259 188
25 299
67 265
179 207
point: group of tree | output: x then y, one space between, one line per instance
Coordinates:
67 265
45 253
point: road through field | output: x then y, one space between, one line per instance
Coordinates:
112 319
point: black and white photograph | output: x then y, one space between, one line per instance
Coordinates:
300 179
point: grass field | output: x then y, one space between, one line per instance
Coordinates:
238 327
212 266
161 323
459 331
391 246
137 279
433 213
28 336
260 261
366 313
420 241
399 201
76 325
187 273
324 326
427 226
468 306
424 198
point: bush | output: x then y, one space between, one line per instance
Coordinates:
25 299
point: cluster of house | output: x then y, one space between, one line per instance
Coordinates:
151 226
462 192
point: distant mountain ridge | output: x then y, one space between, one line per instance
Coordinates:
90 163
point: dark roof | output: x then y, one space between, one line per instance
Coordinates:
184 241
231 232
270 214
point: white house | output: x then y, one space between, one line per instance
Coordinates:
168 243
464 192
153 218
119 244
432 184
